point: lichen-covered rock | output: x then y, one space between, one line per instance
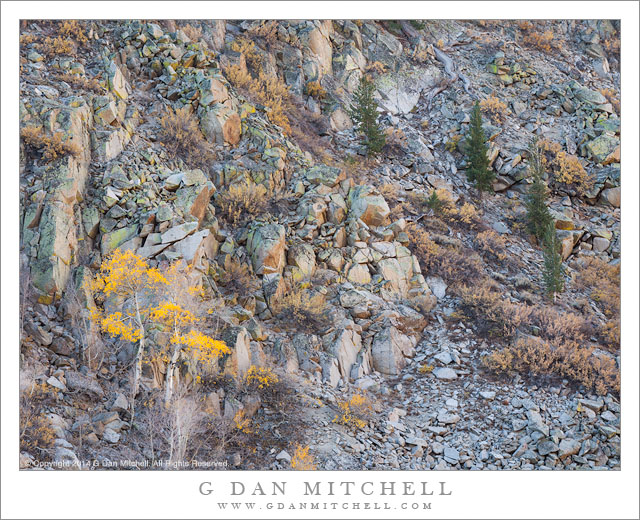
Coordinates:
368 205
605 149
303 257
326 175
266 244
221 124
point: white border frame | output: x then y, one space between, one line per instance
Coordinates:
518 494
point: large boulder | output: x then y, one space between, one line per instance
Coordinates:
221 124
266 245
326 175
368 205
303 257
604 149
390 350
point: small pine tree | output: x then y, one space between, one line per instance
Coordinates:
553 268
478 170
538 216
365 114
434 202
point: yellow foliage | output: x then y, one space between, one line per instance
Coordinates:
206 349
566 169
425 369
51 146
315 90
117 324
495 108
242 423
261 377
452 144
302 460
354 412
124 274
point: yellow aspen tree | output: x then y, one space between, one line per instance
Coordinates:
132 288
179 314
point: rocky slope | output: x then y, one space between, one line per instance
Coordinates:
338 227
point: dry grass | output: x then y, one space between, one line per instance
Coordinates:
316 90
302 310
267 30
51 147
242 202
182 138
493 245
81 82
36 434
193 33
545 41
612 97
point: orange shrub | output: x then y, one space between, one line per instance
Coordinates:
496 109
50 146
537 357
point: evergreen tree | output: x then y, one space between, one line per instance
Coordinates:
434 202
365 114
538 216
478 170
553 268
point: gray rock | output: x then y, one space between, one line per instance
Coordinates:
283 455
568 447
489 395
111 436
547 446
447 374
536 423
80 383
451 455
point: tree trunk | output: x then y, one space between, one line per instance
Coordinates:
137 371
168 387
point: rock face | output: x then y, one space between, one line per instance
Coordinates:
266 244
65 187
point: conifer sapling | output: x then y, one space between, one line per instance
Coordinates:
478 171
538 216
364 112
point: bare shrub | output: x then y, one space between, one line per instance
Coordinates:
540 358
181 136
301 309
242 202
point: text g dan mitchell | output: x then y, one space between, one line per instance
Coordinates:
328 488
